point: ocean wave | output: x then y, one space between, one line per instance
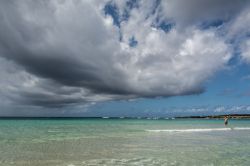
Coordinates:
200 130
132 161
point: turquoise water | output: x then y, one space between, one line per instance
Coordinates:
77 142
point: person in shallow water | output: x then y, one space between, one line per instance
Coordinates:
226 120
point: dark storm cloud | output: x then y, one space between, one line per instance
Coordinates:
46 100
51 63
58 63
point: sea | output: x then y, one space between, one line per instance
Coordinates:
123 142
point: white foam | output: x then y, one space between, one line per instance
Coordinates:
200 130
54 131
241 128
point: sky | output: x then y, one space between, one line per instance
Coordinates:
157 58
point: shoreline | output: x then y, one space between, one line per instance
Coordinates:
231 116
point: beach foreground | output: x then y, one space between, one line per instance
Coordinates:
77 142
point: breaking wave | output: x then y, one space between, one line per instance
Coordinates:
200 130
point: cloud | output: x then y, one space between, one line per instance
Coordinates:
245 49
190 12
208 110
69 52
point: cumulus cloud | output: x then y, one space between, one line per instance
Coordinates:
208 110
60 53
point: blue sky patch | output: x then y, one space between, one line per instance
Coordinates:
133 42
112 10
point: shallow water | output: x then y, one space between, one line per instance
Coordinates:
73 142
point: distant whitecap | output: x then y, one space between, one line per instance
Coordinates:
200 130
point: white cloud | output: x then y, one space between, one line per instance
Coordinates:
174 63
220 109
245 50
